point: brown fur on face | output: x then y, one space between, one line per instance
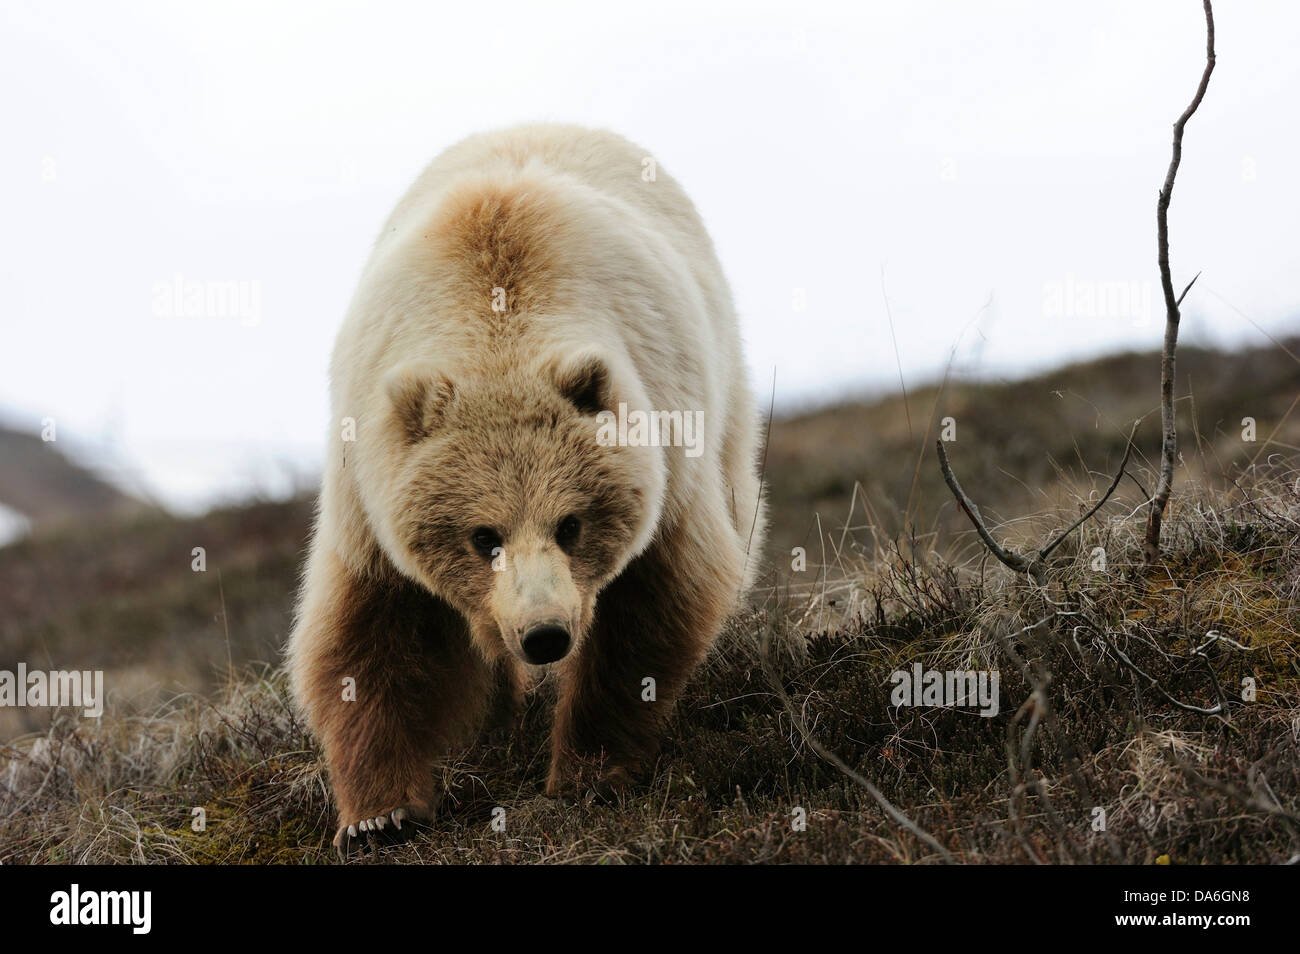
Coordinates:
517 456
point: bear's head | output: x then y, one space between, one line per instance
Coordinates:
504 502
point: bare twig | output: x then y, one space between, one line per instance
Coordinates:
1016 561
1119 474
1154 683
1169 435
1033 565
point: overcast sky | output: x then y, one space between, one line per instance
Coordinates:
950 154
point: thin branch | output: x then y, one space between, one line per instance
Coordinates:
1016 561
1187 289
1155 684
1169 434
1019 562
1119 474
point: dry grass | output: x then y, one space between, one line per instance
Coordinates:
1101 674
123 597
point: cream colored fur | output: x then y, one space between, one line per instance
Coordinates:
676 341
597 267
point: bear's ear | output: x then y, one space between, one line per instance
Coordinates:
585 383
419 397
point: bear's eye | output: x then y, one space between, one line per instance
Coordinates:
566 534
485 540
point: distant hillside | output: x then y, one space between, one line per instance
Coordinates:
43 486
123 595
1021 445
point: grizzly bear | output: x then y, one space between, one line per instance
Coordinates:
543 462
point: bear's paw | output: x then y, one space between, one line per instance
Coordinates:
389 828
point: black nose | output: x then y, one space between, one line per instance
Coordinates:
545 644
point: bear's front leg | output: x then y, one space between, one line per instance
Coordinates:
653 626
389 682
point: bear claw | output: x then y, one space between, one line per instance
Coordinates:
372 833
